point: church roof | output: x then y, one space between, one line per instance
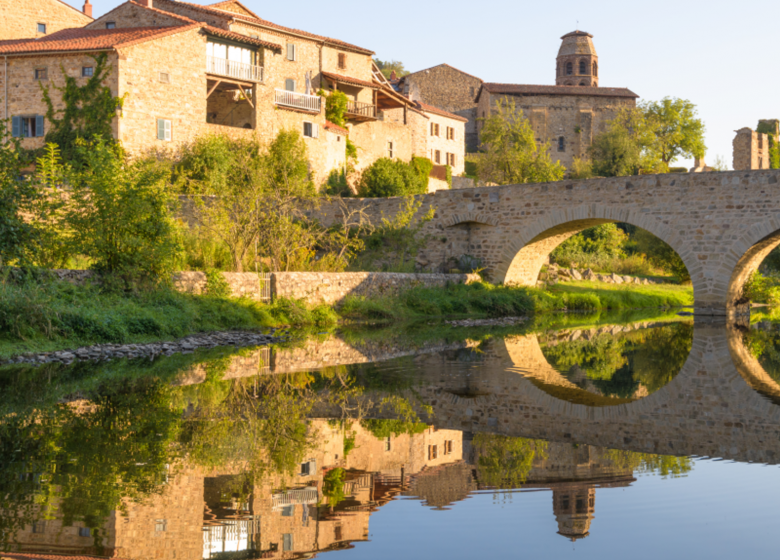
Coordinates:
524 89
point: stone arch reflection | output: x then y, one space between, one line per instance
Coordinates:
603 366
756 356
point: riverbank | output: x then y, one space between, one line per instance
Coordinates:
51 316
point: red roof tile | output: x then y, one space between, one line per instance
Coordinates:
522 89
183 19
73 40
350 81
336 128
218 4
242 38
436 111
264 23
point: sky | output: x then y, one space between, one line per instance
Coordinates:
718 54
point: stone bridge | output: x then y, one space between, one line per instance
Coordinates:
721 224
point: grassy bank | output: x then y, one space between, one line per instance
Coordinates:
41 316
627 296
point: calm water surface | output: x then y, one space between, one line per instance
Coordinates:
587 437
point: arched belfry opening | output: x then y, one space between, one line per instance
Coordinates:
578 57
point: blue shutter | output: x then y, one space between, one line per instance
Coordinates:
39 125
16 127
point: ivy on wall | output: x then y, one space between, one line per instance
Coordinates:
774 147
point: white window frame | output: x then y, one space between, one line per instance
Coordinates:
314 128
167 131
292 47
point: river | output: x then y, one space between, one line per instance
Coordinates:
636 435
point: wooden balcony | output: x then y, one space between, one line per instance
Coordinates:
297 100
360 111
233 69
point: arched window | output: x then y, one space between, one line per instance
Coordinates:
569 68
583 84
595 69
561 144
583 67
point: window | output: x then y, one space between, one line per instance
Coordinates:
164 77
27 127
87 71
387 443
451 160
308 468
164 130
434 129
84 532
160 525
289 84
41 73
437 156
342 61
110 25
39 527
390 149
288 511
448 447
287 542
583 67
595 69
292 53
337 536
433 452
471 91
569 69
41 28
561 144
311 130
450 133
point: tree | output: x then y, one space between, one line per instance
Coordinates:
677 131
512 155
623 149
393 177
388 66
88 111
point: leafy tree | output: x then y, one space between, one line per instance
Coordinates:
117 213
393 177
606 240
660 253
88 111
336 107
388 66
624 148
676 129
511 154
503 461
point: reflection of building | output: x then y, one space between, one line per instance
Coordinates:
573 506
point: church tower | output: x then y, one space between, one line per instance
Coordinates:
578 63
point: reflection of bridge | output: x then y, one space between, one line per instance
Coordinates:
721 224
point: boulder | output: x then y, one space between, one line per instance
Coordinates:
616 278
645 281
627 279
575 274
589 275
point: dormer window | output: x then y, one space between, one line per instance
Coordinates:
110 25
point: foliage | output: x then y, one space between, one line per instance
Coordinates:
333 487
383 429
677 131
88 112
504 462
659 253
581 168
117 213
720 164
449 175
606 239
629 296
336 184
768 128
336 107
649 463
18 197
387 67
511 153
216 285
760 288
393 177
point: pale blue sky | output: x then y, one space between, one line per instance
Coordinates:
721 55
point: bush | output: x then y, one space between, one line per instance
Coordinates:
393 177
336 184
584 302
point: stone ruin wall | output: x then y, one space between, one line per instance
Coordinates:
751 150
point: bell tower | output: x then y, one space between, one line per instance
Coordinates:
577 62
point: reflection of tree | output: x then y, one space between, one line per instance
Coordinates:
650 463
503 461
617 364
765 347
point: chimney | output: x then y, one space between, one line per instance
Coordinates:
147 3
87 8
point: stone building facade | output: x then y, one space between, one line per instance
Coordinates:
751 150
32 19
450 90
234 73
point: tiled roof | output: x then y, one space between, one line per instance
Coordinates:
261 22
183 19
218 4
522 89
350 81
79 39
242 38
436 111
336 128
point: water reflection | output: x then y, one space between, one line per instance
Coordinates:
289 452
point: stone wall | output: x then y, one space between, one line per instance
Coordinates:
751 150
21 18
575 118
134 15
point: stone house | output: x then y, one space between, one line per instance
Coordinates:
569 114
449 89
32 19
751 148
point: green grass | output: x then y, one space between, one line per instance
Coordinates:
628 296
42 316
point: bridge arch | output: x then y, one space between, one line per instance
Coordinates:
747 253
523 257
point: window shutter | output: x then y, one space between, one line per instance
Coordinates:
16 127
160 129
167 130
39 125
315 130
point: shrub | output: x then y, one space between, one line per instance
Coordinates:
336 184
584 302
392 177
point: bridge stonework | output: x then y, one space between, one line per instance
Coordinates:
722 224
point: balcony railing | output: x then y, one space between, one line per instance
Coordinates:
357 109
233 69
298 100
